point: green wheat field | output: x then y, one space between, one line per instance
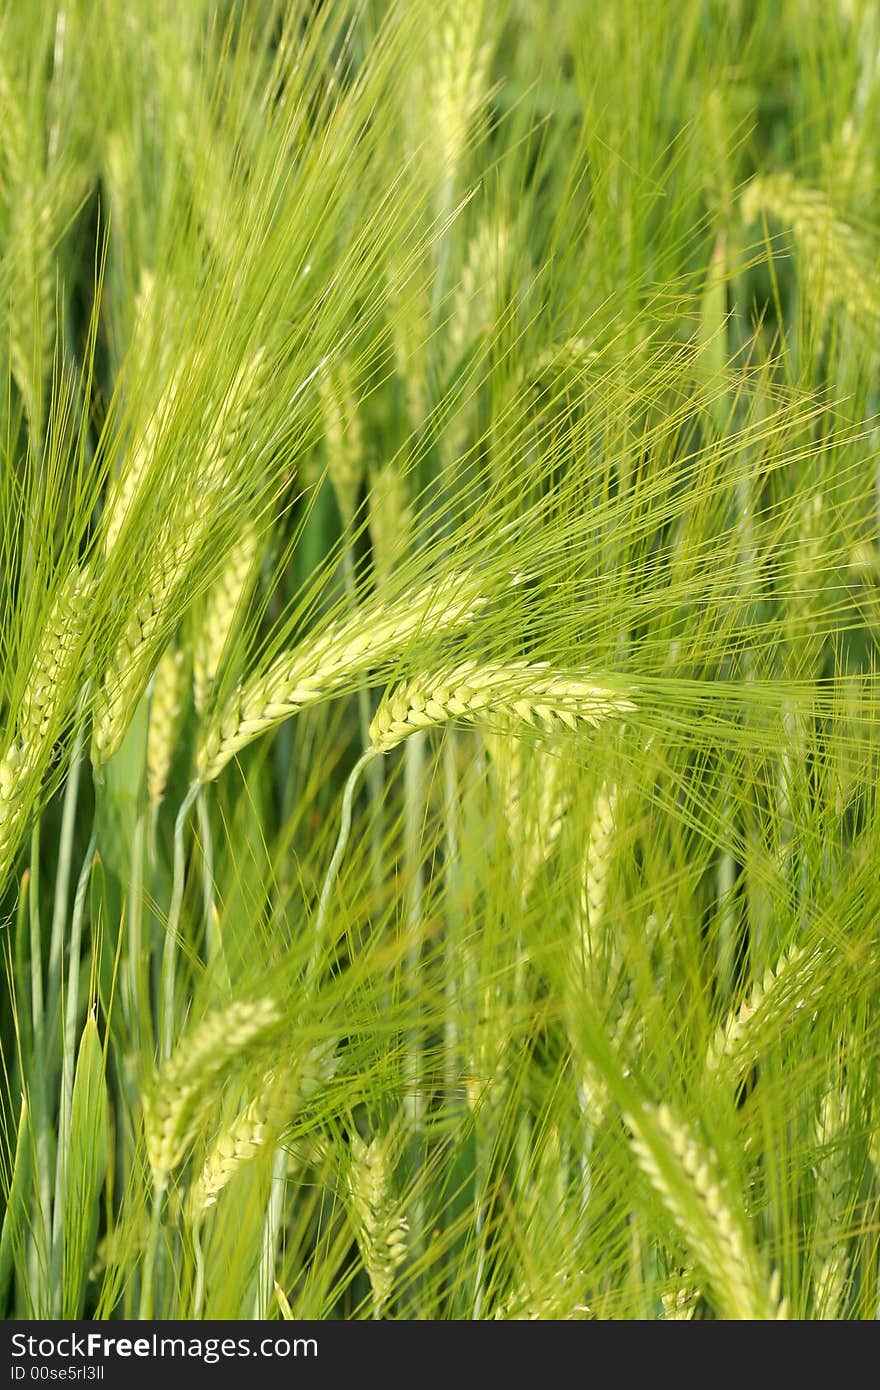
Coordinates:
439 620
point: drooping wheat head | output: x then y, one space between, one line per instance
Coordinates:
185 1086
322 665
709 1220
259 1125
532 695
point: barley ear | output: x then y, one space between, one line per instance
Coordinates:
217 618
380 1226
186 1085
527 695
166 710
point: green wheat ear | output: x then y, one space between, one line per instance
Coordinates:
529 695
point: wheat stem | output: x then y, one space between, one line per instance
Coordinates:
138 995
40 1108
319 930
375 781
68 1058
414 1100
206 844
65 861
271 1228
169 952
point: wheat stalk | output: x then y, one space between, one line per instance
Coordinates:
326 663
525 694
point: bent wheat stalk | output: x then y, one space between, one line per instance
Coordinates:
517 692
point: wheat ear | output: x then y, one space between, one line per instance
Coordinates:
178 544
43 697
838 261
525 694
684 1175
218 617
390 519
380 1225
343 438
166 708
186 1084
44 703
456 68
833 1176
258 1125
534 800
326 663
791 985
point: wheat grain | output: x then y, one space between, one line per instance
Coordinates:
322 665
13 806
49 681
680 1301
834 1182
525 694
786 989
44 705
187 1082
598 859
